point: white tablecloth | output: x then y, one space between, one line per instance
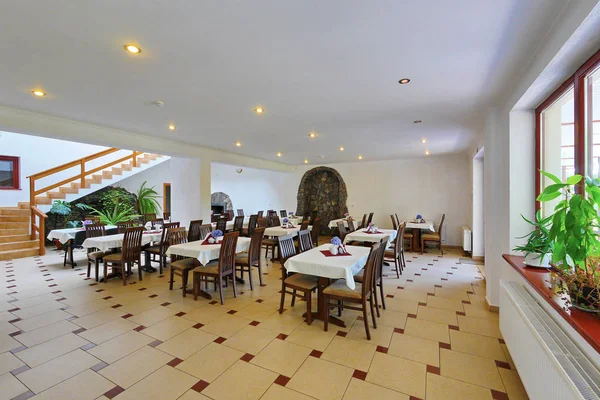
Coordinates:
64 235
425 225
313 262
279 231
205 253
230 224
105 243
361 236
333 222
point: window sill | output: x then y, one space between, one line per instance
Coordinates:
7 188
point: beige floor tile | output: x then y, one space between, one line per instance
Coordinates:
38 309
139 306
512 383
187 343
136 366
395 319
508 357
98 318
11 387
321 379
278 392
210 362
444 303
168 328
8 362
167 383
251 382
108 330
193 395
350 353
55 371
7 343
153 316
46 351
401 305
312 336
386 369
472 369
282 357
206 314
257 311
46 333
89 308
416 349
427 330
443 388
250 339
120 346
87 385
380 336
281 323
477 345
479 326
477 311
411 294
226 325
360 390
440 315
39 321
32 301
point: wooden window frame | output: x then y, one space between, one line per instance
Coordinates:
16 172
577 82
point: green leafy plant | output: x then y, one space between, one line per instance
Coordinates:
148 200
538 240
74 224
64 208
116 215
116 196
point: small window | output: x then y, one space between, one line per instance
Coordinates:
9 172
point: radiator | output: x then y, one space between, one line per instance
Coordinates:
467 238
551 366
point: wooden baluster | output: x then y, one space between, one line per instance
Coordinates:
134 158
31 204
42 234
82 173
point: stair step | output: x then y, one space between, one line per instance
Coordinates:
13 225
97 179
28 244
116 171
76 185
16 231
12 218
13 254
106 175
143 160
43 200
14 212
24 205
68 190
14 238
55 195
126 166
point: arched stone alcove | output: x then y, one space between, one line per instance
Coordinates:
218 200
322 189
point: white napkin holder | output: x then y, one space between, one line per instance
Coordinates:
148 226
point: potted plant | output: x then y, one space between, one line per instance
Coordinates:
538 248
574 237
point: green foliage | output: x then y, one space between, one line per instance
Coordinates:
116 215
74 224
538 240
148 200
116 197
64 209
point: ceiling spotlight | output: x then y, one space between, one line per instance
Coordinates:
278 154
342 148
38 93
305 161
404 81
238 144
133 49
259 110
418 121
426 152
312 135
423 140
360 157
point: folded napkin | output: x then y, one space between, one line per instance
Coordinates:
151 232
206 242
327 253
373 233
287 227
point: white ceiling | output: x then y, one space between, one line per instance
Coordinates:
331 66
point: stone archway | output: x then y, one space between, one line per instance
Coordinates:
322 189
221 199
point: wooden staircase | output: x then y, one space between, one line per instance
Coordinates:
15 240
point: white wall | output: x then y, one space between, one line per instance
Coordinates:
429 186
255 189
478 227
186 204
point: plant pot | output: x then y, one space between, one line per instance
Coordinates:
587 300
536 260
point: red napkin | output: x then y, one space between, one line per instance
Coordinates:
374 233
288 227
327 253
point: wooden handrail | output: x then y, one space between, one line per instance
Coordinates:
39 228
72 164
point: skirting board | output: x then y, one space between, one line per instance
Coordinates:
478 258
492 308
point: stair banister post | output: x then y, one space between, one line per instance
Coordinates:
135 158
32 203
83 173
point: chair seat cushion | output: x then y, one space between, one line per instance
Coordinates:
390 254
408 236
212 268
360 276
183 265
96 255
302 281
430 236
339 288
241 259
269 242
114 257
153 249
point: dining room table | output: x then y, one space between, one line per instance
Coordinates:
276 231
229 225
72 237
417 228
361 235
320 263
204 253
333 223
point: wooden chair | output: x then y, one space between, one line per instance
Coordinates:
363 223
370 219
167 216
351 227
94 255
304 225
407 237
378 278
252 222
260 214
304 240
245 261
361 294
393 253
221 225
283 213
316 227
149 217
238 224
240 212
180 266
160 249
306 284
157 221
342 229
274 220
130 254
434 237
217 270
204 231
123 226
194 231
262 222
394 222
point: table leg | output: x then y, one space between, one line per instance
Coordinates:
416 245
69 254
322 311
147 265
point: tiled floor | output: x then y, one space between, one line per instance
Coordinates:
63 336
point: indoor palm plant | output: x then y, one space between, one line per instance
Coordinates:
148 200
538 248
574 236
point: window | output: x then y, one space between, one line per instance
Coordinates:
592 122
9 173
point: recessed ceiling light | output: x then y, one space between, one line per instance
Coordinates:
278 154
259 110
133 49
38 93
404 81
418 121
305 161
423 140
342 148
312 135
360 157
238 144
426 152
171 127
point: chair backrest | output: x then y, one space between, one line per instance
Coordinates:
287 248
351 227
400 238
157 221
342 228
204 230
252 224
167 216
260 214
149 217
165 229
238 223
262 222
397 219
94 230
132 243
222 224
370 219
274 220
227 254
304 225
122 226
316 227
380 256
94 218
240 212
364 221
370 270
441 226
305 240
194 231
394 223
283 213
271 213
176 236
255 246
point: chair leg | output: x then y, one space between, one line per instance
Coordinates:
326 322
308 297
365 320
171 278
294 298
260 273
250 277
160 264
124 273
221 292
282 301
97 267
89 268
197 283
234 285
441 250
396 263
382 294
372 313
105 272
140 269
184 281
374 291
